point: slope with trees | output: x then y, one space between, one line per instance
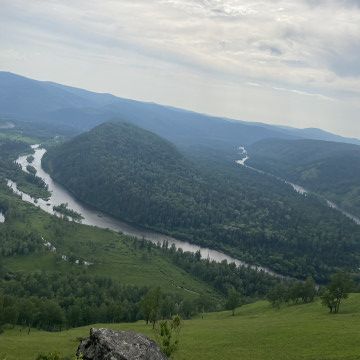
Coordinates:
136 176
329 168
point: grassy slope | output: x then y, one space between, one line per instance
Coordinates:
114 255
257 332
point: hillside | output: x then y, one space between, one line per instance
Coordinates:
136 176
56 273
328 168
67 110
257 332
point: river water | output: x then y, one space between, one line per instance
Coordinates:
301 190
92 217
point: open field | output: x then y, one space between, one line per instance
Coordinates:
257 332
112 254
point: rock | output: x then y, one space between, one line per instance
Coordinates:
105 344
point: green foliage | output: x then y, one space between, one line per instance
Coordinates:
150 306
329 168
292 292
9 151
167 335
30 159
233 300
256 332
19 242
31 169
222 276
136 176
63 209
338 289
50 356
56 356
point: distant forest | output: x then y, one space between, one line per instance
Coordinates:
136 176
328 168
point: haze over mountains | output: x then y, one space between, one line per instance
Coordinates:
165 172
70 111
174 171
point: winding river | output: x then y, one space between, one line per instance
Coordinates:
297 188
92 217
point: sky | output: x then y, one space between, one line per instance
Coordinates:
293 63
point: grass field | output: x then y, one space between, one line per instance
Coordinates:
256 332
112 254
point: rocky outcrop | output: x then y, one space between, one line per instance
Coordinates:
105 344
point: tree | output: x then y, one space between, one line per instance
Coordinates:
167 334
308 290
150 305
203 303
233 300
52 315
328 300
277 295
338 289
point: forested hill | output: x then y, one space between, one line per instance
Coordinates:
136 176
329 168
130 173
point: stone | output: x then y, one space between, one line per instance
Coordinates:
105 344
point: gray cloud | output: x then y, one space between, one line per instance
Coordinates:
306 48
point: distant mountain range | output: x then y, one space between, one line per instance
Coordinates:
70 110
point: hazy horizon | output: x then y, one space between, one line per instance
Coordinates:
283 63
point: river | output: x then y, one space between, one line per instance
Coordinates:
92 217
299 189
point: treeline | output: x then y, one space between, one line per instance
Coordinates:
293 292
19 242
68 213
32 184
136 176
9 149
328 168
250 283
54 301
331 295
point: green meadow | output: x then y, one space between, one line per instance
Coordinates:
112 254
256 332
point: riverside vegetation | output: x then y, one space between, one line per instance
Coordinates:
143 179
57 274
328 168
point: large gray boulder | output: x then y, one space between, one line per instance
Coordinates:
105 344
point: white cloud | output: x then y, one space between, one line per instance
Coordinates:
303 48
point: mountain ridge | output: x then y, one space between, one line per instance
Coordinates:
79 110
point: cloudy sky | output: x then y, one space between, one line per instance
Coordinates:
286 62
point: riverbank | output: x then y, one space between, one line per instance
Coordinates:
298 188
92 217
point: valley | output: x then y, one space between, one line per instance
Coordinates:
301 190
92 217
120 213
208 202
179 180
328 168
